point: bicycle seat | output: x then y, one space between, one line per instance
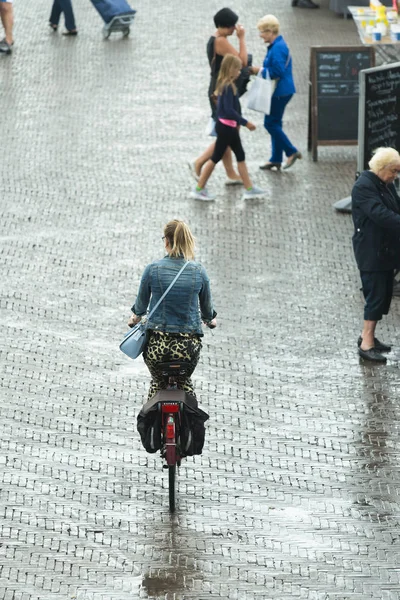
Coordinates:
173 368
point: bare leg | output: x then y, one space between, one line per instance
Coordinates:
228 164
244 174
205 173
226 159
7 18
368 334
203 158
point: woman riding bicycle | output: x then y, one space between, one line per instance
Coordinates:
175 329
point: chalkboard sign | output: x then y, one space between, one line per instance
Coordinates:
379 113
334 94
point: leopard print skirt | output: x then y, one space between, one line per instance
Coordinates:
166 347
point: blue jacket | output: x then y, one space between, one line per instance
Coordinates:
186 304
278 61
228 106
376 216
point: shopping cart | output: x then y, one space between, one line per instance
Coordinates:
116 14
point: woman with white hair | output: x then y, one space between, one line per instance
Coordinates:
278 63
376 243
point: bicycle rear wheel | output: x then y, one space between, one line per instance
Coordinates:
172 487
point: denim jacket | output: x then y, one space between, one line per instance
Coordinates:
186 304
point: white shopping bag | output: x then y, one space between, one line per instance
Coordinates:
260 94
210 128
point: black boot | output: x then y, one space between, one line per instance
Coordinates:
305 4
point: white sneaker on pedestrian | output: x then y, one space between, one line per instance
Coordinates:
230 181
192 169
255 192
202 195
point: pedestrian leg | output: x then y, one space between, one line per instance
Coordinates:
66 7
273 124
55 13
7 19
244 174
226 159
205 174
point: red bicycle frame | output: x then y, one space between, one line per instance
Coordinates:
169 412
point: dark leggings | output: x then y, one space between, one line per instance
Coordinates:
227 137
377 289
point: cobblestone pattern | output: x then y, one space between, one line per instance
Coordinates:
297 492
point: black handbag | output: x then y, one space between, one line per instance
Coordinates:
244 77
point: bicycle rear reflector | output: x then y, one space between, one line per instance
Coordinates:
170 408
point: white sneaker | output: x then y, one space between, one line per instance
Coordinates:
202 195
255 192
230 181
192 169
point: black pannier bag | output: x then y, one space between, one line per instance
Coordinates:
192 431
149 427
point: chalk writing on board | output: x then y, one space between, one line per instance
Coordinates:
334 94
382 120
337 93
348 88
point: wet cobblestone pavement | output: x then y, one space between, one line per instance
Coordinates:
297 492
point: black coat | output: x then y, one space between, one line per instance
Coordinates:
376 217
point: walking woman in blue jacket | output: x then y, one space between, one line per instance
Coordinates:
278 62
175 329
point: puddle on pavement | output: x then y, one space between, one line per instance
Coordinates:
159 585
181 567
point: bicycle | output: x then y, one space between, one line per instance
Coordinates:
166 431
170 406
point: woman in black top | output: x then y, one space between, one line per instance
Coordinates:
217 47
376 243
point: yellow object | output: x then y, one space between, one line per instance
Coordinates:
363 23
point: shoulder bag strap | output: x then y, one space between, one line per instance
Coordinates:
213 60
278 78
167 290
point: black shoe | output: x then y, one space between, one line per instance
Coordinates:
5 47
270 165
379 346
305 4
68 32
372 354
